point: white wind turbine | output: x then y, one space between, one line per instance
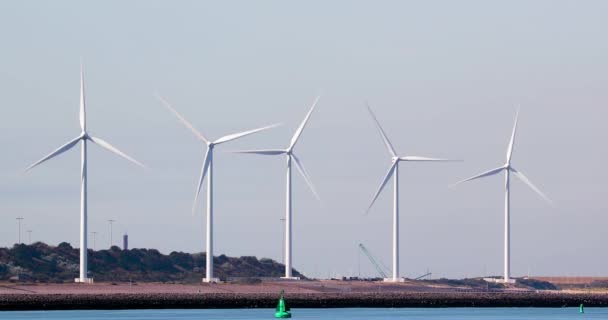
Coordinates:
207 170
83 137
290 157
508 169
394 171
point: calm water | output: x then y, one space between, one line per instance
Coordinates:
367 314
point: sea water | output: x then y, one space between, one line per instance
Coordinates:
326 314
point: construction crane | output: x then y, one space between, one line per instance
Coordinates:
428 274
373 261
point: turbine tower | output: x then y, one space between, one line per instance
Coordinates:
207 170
508 169
291 159
394 171
84 137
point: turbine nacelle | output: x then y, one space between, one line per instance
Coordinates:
292 161
207 171
395 159
393 173
83 136
509 168
210 144
289 151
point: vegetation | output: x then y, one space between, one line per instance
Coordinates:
537 284
475 283
44 263
480 284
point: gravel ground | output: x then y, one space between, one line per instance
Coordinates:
300 294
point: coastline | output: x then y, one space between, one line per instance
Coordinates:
21 302
302 294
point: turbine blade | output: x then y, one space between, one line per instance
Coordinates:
387 177
104 144
512 141
298 132
55 153
235 136
266 152
200 180
416 158
183 120
481 175
527 181
387 142
83 114
304 174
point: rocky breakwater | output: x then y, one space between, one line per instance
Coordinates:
297 300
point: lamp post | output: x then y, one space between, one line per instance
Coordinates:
111 221
94 236
283 249
19 233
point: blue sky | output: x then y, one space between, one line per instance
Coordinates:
443 78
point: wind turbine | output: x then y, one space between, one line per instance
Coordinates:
207 170
508 169
291 158
394 171
84 137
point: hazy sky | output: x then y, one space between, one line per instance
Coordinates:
443 77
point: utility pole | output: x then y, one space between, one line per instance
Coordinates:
359 263
29 236
111 221
283 249
94 236
19 233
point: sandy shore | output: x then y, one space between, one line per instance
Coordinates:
270 287
310 294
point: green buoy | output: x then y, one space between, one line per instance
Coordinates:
581 309
282 309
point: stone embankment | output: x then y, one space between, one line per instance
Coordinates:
297 300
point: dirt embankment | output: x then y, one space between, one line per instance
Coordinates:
295 300
299 294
